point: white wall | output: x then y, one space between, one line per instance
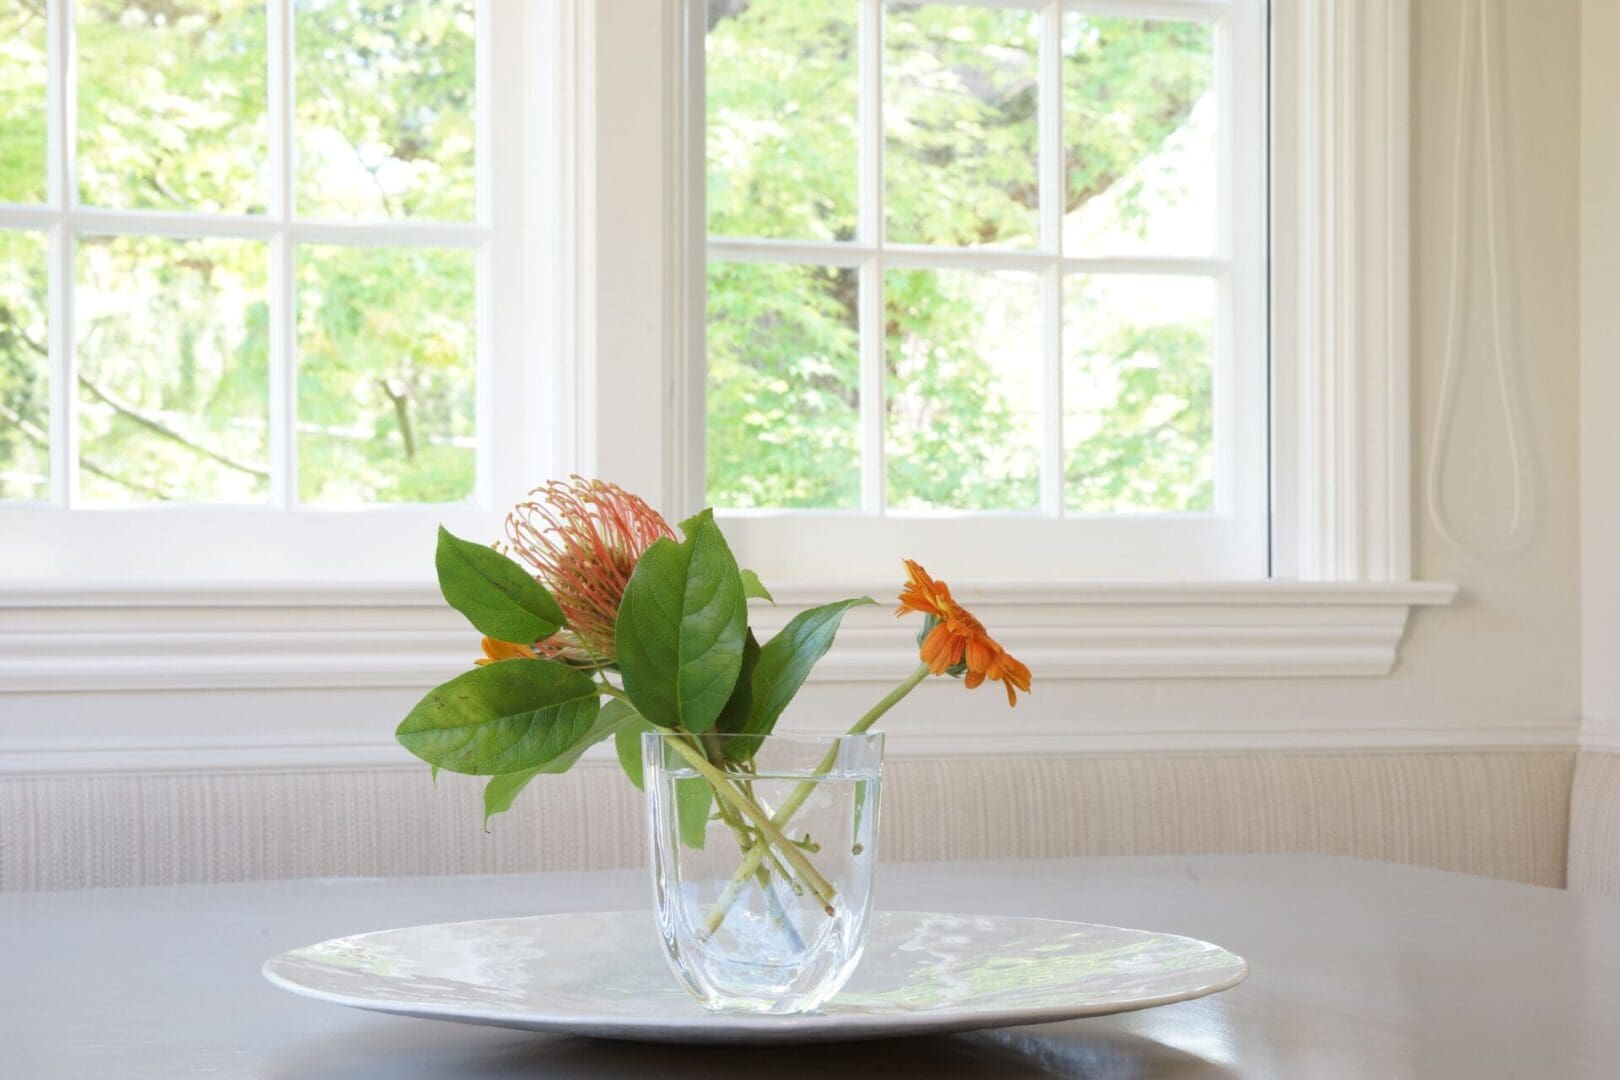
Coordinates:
1600 373
1500 667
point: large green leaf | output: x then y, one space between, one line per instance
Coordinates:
503 789
785 661
499 597
681 628
502 718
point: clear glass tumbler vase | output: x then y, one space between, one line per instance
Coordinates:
762 850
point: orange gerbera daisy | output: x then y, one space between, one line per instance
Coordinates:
957 638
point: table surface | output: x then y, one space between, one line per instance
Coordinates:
1359 969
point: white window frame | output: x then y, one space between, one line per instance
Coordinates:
280 543
1228 542
1340 418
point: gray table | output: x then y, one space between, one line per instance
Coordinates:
1359 969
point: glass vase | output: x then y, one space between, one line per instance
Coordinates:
762 850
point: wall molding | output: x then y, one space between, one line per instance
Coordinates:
233 752
1601 735
1342 461
77 639
1475 50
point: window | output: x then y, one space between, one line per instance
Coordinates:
601 163
988 261
260 260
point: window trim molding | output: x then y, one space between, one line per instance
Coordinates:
1342 457
84 638
73 640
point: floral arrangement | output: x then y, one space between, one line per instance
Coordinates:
600 622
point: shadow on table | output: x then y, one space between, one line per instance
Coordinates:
433 1050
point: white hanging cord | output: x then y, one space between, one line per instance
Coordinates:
1519 524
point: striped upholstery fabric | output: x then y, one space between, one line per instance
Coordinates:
1498 813
1594 825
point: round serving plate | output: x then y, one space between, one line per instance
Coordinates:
604 975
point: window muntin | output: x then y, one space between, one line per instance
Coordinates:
1112 167
237 313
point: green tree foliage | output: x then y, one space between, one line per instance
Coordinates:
173 104
173 384
960 99
1139 402
386 111
22 101
173 336
24 361
784 386
386 395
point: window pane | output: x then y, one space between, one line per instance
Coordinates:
959 101
22 102
172 105
25 407
782 106
1139 119
1138 393
387 387
386 124
784 386
173 350
963 389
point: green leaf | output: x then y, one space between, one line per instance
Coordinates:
734 717
786 660
627 744
755 589
502 718
501 790
681 628
500 598
693 797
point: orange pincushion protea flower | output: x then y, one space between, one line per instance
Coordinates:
582 539
958 637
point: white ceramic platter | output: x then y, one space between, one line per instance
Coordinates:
604 975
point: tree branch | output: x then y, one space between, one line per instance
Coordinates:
402 412
157 427
36 434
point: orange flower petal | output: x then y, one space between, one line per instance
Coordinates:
506 650
936 649
980 656
1017 674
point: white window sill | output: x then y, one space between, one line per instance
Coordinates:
194 637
